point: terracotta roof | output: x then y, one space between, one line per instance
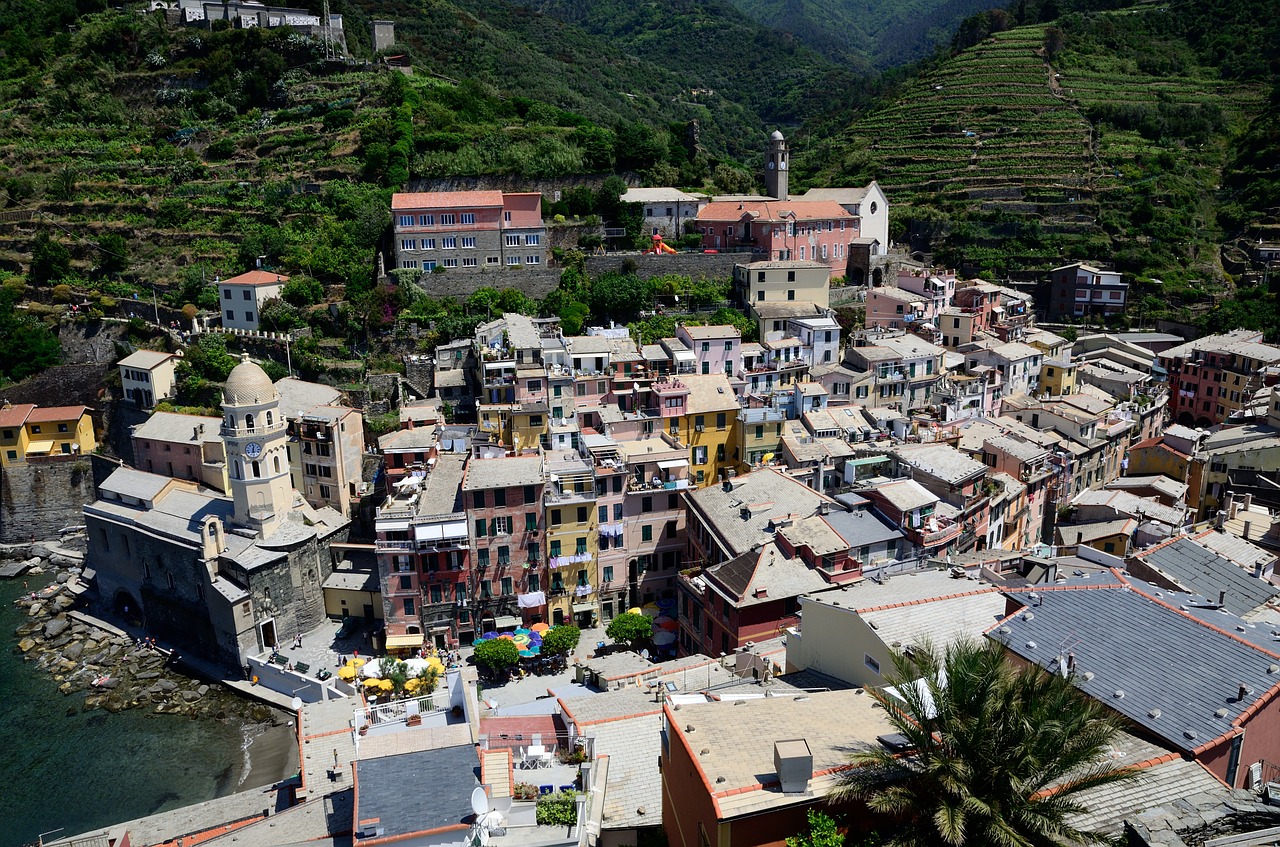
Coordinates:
56 413
774 210
445 199
15 415
257 278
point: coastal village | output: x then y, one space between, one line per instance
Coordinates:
594 589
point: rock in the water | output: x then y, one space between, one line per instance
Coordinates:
36 570
66 688
62 577
73 650
66 666
55 627
190 696
166 685
26 644
114 704
36 608
63 602
110 683
147 675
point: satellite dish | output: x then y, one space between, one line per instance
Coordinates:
479 801
296 704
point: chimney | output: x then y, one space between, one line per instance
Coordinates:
1222 598
728 485
1247 526
794 764
1071 663
1242 693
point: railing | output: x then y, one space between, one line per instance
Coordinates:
940 536
241 431
398 711
381 545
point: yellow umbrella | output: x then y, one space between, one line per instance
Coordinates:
635 610
385 684
434 662
372 683
412 684
346 672
357 663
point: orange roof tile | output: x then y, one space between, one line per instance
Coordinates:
774 210
56 413
15 415
258 278
445 199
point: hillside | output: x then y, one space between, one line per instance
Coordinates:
1103 136
880 33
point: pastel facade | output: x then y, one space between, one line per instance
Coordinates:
240 298
778 230
468 230
148 376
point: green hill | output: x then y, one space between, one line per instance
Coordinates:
880 33
1102 136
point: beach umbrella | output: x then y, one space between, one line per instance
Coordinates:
347 672
490 634
434 662
650 610
635 610
540 627
521 631
527 654
386 684
507 636
357 663
412 684
663 637
372 683
666 603
522 640
372 670
668 625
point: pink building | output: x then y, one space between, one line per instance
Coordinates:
468 230
896 308
781 230
718 349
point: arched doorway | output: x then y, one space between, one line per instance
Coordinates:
127 607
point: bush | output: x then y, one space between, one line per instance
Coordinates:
62 293
630 629
220 150
559 809
337 119
50 261
497 655
560 640
302 291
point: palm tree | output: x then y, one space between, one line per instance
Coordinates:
996 755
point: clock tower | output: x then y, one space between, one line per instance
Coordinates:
777 165
253 431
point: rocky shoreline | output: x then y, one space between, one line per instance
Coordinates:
77 653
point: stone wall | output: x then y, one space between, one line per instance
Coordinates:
538 283
41 497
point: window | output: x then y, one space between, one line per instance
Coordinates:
447 220
449 243
531 522
507 586
535 584
500 497
706 367
532 240
480 528
791 294
555 548
477 502
580 547
699 455
468 242
486 589
506 216
470 262
501 526
760 296
646 533
231 316
720 420
582 514
513 241
437 595
248 316
408 244
555 517
871 663
409 264
428 244
533 260
468 217
608 573
408 606
406 220
529 496
424 220
646 504
450 263
406 582
482 557
491 260
513 260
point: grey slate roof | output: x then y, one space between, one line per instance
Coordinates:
766 493
1163 669
298 396
391 789
940 460
1199 570
502 473
633 794
862 527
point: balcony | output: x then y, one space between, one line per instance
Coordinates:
244 431
936 532
393 546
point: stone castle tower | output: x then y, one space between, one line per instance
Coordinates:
776 167
258 462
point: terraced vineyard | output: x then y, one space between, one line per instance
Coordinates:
1009 162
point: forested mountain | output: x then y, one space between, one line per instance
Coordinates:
880 33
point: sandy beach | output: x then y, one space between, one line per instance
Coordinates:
271 755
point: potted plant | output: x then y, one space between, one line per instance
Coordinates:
413 720
526 791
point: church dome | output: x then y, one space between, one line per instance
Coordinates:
776 136
248 385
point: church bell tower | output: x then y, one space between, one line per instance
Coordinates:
776 166
255 436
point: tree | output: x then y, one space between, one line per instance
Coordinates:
497 655
27 346
620 297
560 640
823 832
1054 41
302 291
997 754
50 261
630 629
113 254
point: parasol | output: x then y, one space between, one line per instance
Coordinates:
347 672
663 637
540 627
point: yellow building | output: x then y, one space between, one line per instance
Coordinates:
1057 378
13 432
571 528
352 593
709 427
28 431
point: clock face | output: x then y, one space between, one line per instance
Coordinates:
783 166
253 449
771 164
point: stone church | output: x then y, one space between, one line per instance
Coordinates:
222 577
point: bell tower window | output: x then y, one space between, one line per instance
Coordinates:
269 421
257 470
276 460
248 421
